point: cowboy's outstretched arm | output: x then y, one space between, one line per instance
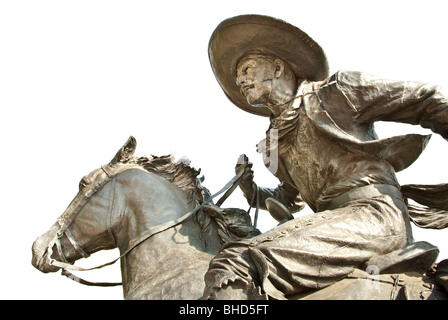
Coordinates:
373 99
284 193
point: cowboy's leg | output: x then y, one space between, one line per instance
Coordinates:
232 274
309 252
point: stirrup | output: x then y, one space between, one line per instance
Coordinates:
278 211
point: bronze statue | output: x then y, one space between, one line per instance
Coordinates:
322 146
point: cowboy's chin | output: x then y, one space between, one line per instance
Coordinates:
256 101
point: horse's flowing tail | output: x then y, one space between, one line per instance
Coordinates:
434 198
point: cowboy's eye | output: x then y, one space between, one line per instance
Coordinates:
82 183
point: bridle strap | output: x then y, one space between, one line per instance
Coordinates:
58 244
256 199
257 206
64 265
89 283
75 244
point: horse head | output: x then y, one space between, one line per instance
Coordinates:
59 243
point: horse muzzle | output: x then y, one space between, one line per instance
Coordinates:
40 259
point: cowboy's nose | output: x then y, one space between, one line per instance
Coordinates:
240 80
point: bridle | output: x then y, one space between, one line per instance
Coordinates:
65 221
79 202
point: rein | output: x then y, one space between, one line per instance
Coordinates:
65 265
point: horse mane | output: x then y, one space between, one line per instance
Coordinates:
180 173
232 224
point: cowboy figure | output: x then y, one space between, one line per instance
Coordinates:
328 156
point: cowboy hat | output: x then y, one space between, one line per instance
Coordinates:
238 36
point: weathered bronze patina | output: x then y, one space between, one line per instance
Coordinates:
322 146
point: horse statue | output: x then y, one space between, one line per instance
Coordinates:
167 229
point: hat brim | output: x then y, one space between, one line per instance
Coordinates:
238 36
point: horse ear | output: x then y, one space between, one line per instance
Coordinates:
126 151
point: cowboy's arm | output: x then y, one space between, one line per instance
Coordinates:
284 193
372 99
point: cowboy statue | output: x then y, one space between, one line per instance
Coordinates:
322 146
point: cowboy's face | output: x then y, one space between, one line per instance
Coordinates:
254 77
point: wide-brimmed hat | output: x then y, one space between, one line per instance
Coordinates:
238 36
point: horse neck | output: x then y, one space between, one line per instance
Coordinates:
142 202
171 263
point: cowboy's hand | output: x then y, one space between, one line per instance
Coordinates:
247 180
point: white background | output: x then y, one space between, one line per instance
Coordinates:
77 78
